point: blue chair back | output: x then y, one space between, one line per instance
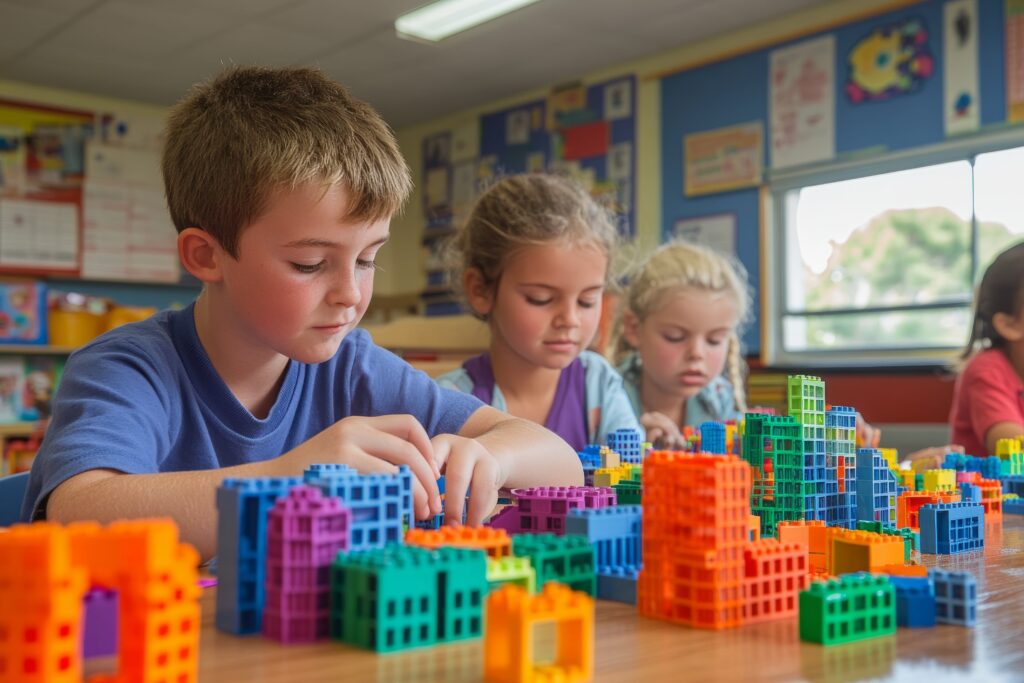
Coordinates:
12 491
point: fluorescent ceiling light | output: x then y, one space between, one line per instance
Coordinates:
444 18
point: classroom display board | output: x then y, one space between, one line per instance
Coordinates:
587 132
895 81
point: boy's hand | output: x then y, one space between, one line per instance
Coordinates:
662 432
468 467
377 444
867 436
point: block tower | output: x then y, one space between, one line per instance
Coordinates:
626 442
841 457
808 480
768 441
695 514
381 504
876 489
305 533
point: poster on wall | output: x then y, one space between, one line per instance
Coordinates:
960 67
894 59
715 231
801 102
1014 60
723 159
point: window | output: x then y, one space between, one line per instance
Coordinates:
875 263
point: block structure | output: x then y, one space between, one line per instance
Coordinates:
243 507
615 534
495 542
956 597
45 572
511 569
543 509
915 601
863 551
951 528
512 614
400 597
381 504
852 607
841 457
876 488
908 506
771 441
809 480
305 532
626 442
774 574
563 559
695 515
712 438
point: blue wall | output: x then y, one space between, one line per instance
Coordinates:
736 91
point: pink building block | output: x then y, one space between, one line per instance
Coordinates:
543 509
304 534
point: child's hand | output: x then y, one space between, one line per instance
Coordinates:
662 432
931 458
867 436
468 467
377 444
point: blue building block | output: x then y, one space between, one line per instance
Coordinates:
950 528
876 488
955 461
591 455
242 513
956 597
915 601
970 493
626 442
1013 484
381 504
613 531
992 467
712 437
1013 506
618 584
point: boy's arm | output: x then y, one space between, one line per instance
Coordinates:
368 444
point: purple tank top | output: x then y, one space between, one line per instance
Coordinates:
568 414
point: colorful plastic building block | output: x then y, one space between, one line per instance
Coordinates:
956 597
991 498
495 542
774 573
305 532
626 442
99 638
512 614
908 505
399 597
915 601
517 570
1013 506
712 438
618 584
852 607
381 504
856 551
614 532
543 509
910 570
811 534
43 578
242 515
939 480
694 530
629 492
949 528
876 488
565 559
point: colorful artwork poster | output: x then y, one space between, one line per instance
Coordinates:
892 60
961 108
802 102
42 151
723 159
1014 60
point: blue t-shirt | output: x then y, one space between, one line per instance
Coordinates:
145 398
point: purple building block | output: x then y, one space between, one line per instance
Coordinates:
99 637
543 509
305 531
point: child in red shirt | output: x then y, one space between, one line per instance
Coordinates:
988 401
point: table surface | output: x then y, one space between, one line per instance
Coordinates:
632 648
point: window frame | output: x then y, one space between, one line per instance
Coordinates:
774 245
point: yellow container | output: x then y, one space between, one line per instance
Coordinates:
121 315
73 328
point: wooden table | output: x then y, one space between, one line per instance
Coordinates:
632 648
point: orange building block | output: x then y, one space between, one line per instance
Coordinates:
774 574
496 542
41 600
991 498
908 507
857 551
811 533
903 570
754 527
512 613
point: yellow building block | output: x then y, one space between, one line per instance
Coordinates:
891 457
940 480
1007 447
907 478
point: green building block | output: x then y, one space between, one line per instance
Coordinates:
517 570
565 559
400 597
628 492
852 607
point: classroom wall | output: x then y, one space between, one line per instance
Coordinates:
408 274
